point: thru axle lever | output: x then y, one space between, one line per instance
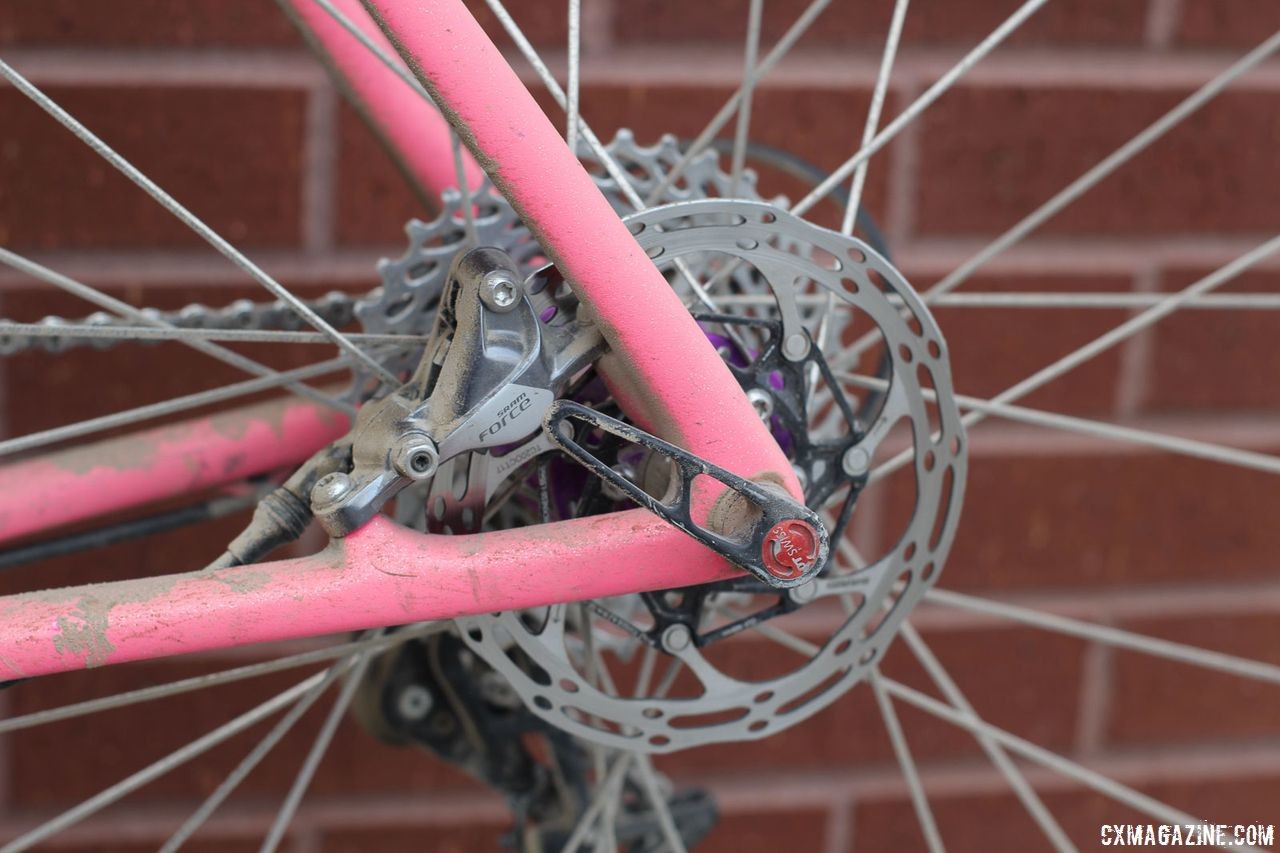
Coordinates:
778 540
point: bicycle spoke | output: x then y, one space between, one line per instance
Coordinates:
124 309
250 761
1017 782
460 173
200 682
189 219
1098 782
178 333
1115 160
825 326
873 113
1084 426
162 766
649 781
169 407
575 74
919 802
919 105
620 177
1078 187
1125 330
318 750
1108 301
604 792
748 88
797 29
799 645
1116 637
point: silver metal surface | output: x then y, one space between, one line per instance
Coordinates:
778 248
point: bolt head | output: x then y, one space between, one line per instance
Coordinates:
330 489
856 462
762 401
500 291
677 638
416 457
796 346
803 593
414 703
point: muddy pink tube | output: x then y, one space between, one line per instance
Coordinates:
380 575
417 134
136 469
664 370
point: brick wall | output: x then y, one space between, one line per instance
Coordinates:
217 100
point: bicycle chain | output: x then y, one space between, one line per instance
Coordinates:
336 308
410 284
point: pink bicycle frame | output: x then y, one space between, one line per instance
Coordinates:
661 367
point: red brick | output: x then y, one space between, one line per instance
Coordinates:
993 349
1214 360
144 23
543 22
438 839
1023 692
992 155
1033 521
195 845
1214 23
982 822
927 22
233 156
766 832
62 381
207 23
1159 701
61 762
374 198
817 125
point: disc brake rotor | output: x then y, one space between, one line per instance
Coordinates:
547 656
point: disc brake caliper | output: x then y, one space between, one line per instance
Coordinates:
498 357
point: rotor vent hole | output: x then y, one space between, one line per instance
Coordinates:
713 718
925 377
944 508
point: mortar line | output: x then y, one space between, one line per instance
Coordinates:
1163 18
320 158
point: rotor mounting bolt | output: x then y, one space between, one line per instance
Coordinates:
762 402
416 457
330 489
677 638
790 549
803 593
500 291
796 346
414 703
856 462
